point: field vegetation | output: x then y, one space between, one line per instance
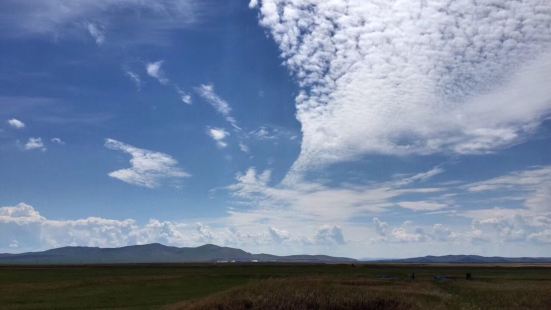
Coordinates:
257 286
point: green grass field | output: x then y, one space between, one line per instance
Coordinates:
274 287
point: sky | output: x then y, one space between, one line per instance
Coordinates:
359 128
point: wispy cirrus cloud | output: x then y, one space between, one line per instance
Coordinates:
148 168
206 91
314 201
222 107
477 80
155 70
534 184
64 18
135 78
263 133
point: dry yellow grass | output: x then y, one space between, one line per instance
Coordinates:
323 293
377 294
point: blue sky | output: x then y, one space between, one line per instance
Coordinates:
357 128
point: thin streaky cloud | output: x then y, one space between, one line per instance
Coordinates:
206 91
135 78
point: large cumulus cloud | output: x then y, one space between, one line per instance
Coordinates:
413 77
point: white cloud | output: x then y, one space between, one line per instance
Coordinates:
264 133
302 203
148 168
329 235
422 205
204 232
422 176
184 96
403 77
218 135
382 228
316 202
278 235
97 32
281 233
15 123
442 233
154 70
308 217
501 226
534 184
14 244
543 236
244 148
206 91
409 233
63 18
21 211
34 144
528 220
29 230
253 4
400 234
135 78
57 141
24 225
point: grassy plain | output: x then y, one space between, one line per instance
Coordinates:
259 286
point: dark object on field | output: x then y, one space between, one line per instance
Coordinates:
412 276
439 278
468 276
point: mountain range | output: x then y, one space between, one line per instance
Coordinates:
209 253
467 259
157 253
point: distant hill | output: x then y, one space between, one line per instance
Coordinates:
157 253
468 259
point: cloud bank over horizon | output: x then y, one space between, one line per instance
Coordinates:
413 77
305 220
